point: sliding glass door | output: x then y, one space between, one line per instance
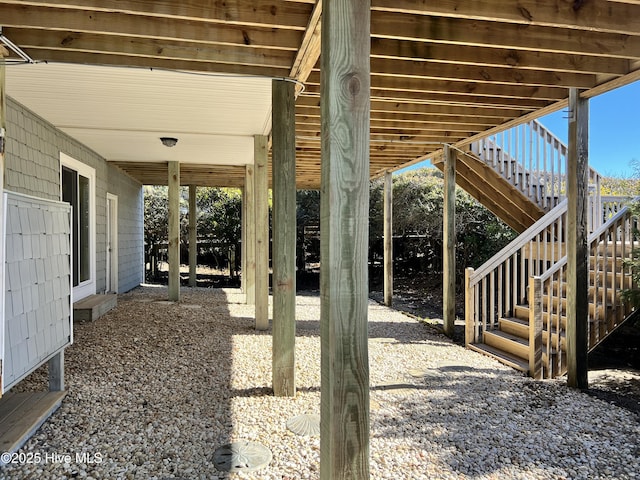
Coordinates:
78 189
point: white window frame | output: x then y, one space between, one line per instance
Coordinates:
88 287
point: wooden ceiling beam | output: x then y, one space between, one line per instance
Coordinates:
231 12
416 69
457 100
601 16
28 16
93 58
430 98
496 57
311 102
386 110
150 48
309 51
399 134
388 121
502 35
454 87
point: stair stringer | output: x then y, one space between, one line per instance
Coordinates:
495 192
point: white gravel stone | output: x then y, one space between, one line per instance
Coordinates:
155 387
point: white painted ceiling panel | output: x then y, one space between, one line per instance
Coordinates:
122 112
146 147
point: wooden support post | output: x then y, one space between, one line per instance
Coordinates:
388 239
174 231
56 372
577 232
250 235
535 328
449 242
193 236
469 309
283 166
261 190
344 231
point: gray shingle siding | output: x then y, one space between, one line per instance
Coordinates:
130 228
32 167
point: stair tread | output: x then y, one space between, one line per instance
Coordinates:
508 336
503 357
519 321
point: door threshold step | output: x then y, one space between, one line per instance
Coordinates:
93 307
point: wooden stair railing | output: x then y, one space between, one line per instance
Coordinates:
526 327
495 289
610 247
533 160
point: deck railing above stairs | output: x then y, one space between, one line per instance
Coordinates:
533 160
530 274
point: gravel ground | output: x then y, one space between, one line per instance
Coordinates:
155 388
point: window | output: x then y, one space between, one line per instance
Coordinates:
78 184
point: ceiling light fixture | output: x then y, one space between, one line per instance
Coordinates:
169 141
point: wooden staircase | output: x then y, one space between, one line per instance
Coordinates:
509 341
515 305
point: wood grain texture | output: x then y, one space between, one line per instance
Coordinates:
535 328
261 192
388 238
174 230
250 235
577 233
56 372
344 440
193 236
284 238
469 310
449 242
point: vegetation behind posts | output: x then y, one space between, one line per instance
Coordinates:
417 225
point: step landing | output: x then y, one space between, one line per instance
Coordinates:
93 307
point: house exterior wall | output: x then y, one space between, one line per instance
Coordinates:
32 167
130 228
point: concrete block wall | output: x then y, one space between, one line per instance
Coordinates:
33 167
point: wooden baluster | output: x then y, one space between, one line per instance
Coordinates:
535 327
470 322
492 297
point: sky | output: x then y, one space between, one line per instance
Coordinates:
614 131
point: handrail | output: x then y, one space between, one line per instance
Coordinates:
554 269
609 246
534 161
519 242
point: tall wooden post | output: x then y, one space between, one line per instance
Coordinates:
284 237
261 190
250 235
193 236
577 232
388 238
449 242
344 231
174 231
